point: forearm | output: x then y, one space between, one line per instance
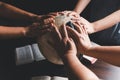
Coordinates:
11 32
11 12
81 5
106 22
110 54
76 70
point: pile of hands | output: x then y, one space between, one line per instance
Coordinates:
67 41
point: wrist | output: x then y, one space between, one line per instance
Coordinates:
91 50
20 31
93 30
85 50
94 25
36 18
68 55
25 31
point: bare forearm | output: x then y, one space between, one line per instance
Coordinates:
11 32
107 22
80 6
11 12
110 54
77 71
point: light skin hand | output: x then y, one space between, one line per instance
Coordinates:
76 18
40 27
70 13
80 36
66 48
35 30
45 19
81 5
89 26
103 23
66 45
68 42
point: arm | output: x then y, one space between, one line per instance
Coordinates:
15 13
68 52
109 54
33 30
107 22
10 32
80 6
101 24
76 70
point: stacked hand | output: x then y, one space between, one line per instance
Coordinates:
66 36
41 26
80 36
68 40
89 26
63 44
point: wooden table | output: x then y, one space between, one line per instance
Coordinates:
105 71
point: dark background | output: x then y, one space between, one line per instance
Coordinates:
97 9
8 69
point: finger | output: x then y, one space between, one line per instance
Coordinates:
61 13
72 42
49 20
78 27
54 13
82 27
73 32
64 32
35 24
85 29
56 32
43 27
75 19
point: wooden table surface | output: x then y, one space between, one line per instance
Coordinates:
102 69
105 71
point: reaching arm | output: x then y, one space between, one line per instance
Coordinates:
10 12
80 6
10 32
101 24
107 22
76 70
109 54
68 52
33 30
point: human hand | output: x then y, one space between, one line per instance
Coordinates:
45 19
70 13
35 30
40 26
80 37
89 26
63 44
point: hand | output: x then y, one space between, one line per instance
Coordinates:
35 30
89 26
45 19
63 44
80 37
69 13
